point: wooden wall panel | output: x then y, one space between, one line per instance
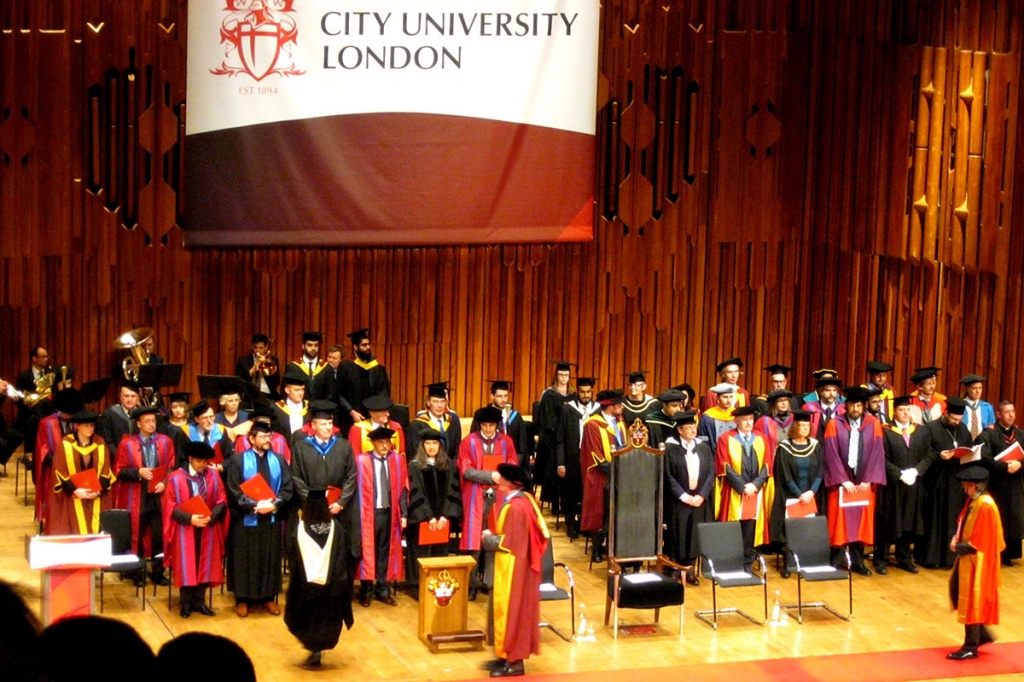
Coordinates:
876 217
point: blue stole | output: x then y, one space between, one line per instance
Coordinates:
249 469
316 444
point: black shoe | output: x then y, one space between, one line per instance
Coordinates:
512 670
861 570
692 579
598 557
908 566
881 569
784 571
1007 562
472 593
160 579
203 609
494 664
186 611
365 600
986 637
389 600
313 661
962 655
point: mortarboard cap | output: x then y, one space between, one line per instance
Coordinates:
609 397
671 395
878 367
260 427
358 335
956 405
563 365
586 381
902 401
488 415
322 409
131 386
378 403
312 336
200 408
687 389
725 363
68 401
84 417
685 418
922 373
777 394
179 397
855 394
93 391
744 410
972 379
142 410
778 369
513 473
801 416
432 434
293 376
827 381
438 389
380 433
972 474
198 450
824 372
637 376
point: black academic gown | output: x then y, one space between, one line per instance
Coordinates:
316 613
113 425
433 493
639 409
660 428
546 421
1006 489
356 384
898 505
567 454
943 497
788 485
312 470
681 519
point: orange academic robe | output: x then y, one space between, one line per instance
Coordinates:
977 575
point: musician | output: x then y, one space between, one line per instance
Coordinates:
151 358
27 422
10 438
253 367
116 421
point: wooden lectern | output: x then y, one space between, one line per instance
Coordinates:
444 602
68 563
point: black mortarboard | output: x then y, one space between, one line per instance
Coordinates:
141 410
777 394
972 474
68 401
260 427
358 335
671 395
378 403
586 381
84 417
438 389
824 372
200 408
179 397
160 375
871 392
610 397
293 376
322 409
956 405
488 415
263 412
685 418
922 373
685 388
380 433
198 450
216 385
500 385
432 434
312 336
827 381
801 416
972 379
513 473
778 369
744 410
131 386
855 394
725 363
93 391
637 376
878 367
902 401
563 365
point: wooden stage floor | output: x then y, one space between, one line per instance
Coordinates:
898 611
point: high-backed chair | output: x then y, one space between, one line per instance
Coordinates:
636 477
550 591
725 563
117 523
809 544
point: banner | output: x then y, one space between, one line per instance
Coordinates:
392 122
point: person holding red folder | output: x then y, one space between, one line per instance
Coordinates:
799 471
195 525
142 463
383 486
82 478
434 502
1007 483
259 484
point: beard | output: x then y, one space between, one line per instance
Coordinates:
365 356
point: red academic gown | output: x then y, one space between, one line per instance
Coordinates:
517 576
471 456
597 445
278 444
933 408
128 494
68 514
358 436
48 439
773 431
729 502
853 524
179 538
978 575
398 478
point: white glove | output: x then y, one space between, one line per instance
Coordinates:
908 476
685 498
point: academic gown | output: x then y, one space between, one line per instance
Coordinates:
358 380
731 476
515 428
278 444
789 484
853 524
474 475
819 418
219 440
1005 488
976 577
450 426
660 428
898 505
522 538
942 495
546 421
600 440
714 423
681 519
317 468
131 491
70 515
281 421
52 430
433 493
316 612
398 487
774 430
924 411
254 557
359 436
710 399
312 375
113 425
196 555
567 454
639 409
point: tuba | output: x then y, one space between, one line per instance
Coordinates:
133 341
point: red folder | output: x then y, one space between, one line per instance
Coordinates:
854 499
257 488
159 474
491 462
795 509
87 480
333 495
196 506
436 536
967 454
751 508
1014 453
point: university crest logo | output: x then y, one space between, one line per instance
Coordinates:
259 36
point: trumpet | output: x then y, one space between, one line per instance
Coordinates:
265 364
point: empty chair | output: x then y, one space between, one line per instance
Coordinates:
549 591
725 563
808 542
117 523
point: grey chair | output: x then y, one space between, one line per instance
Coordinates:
117 523
549 591
725 563
808 542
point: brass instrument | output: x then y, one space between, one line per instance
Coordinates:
44 387
265 364
134 341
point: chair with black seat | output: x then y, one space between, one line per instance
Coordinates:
725 562
549 591
635 479
117 523
400 414
808 543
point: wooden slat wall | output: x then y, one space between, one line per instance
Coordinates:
814 182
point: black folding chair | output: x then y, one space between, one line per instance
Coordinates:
724 559
808 542
549 591
117 523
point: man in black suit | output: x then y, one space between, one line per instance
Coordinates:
27 421
245 367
